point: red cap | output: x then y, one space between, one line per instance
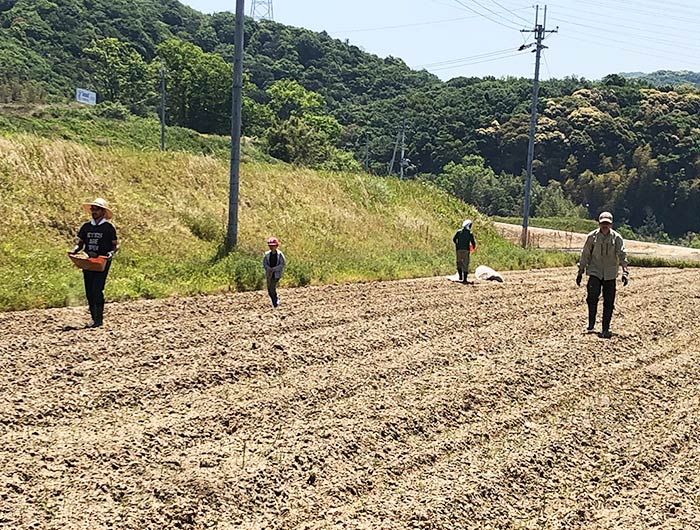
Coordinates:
273 241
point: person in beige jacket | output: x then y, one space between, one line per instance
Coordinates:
601 257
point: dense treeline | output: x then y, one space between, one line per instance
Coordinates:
666 78
617 144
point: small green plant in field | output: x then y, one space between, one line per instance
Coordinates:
301 274
247 274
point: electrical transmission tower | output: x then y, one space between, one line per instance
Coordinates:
261 9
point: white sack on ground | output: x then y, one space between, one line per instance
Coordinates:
483 272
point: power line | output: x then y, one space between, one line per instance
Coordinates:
411 25
667 29
484 16
628 10
598 29
461 59
482 6
639 48
511 12
476 62
630 50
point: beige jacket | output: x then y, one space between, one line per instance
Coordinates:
602 255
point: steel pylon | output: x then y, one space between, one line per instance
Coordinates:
261 9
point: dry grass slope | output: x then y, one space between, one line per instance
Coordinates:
171 211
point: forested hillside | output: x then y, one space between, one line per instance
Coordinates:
619 144
666 77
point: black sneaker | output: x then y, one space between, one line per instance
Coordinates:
606 334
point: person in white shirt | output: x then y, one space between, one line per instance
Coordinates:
601 257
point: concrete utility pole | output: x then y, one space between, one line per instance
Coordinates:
236 106
162 107
365 165
400 139
402 163
393 155
540 33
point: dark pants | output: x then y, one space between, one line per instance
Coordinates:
94 291
272 289
594 286
463 264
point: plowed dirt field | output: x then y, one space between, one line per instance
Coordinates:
419 404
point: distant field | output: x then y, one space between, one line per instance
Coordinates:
641 253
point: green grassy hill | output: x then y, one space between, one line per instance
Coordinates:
171 211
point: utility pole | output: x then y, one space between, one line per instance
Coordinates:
393 155
366 161
261 10
540 33
236 105
400 138
402 163
162 107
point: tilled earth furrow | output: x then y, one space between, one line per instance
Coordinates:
413 404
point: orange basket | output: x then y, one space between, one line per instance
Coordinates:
81 261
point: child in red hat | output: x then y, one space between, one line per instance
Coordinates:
273 263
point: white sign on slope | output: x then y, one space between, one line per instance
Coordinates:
85 96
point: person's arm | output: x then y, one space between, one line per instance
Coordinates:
585 255
621 252
585 258
115 244
473 241
79 242
281 263
115 248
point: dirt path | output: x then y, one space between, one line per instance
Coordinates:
413 404
573 241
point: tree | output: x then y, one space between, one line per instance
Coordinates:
199 87
119 73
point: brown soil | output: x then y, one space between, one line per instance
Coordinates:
573 241
416 404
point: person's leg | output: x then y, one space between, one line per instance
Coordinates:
100 279
88 282
609 291
593 289
272 290
462 264
465 265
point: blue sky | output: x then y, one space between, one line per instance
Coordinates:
480 37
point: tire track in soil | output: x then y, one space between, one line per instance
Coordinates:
411 379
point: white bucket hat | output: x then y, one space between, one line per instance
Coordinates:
100 203
467 224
